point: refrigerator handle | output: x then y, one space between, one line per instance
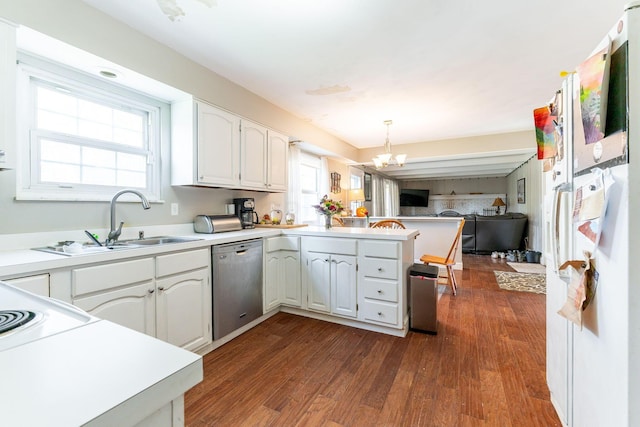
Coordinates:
559 219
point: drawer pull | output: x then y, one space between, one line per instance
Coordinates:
380 291
380 313
380 269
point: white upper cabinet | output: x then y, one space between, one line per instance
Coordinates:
277 161
263 158
212 147
205 145
253 154
218 142
7 95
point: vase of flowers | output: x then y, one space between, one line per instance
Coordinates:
328 208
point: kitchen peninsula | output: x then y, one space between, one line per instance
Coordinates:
436 234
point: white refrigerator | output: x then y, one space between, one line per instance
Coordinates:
593 369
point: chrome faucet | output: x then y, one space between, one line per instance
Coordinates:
115 233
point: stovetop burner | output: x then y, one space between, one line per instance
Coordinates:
11 319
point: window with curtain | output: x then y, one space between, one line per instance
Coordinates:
310 168
356 183
385 197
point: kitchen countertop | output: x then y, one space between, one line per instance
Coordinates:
416 218
355 232
21 260
100 374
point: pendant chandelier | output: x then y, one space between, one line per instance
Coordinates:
386 159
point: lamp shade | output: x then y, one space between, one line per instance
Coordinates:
356 195
498 202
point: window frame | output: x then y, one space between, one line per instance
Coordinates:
107 93
313 161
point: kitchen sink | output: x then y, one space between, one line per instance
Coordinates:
63 248
84 250
152 241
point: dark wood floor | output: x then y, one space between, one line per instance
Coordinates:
485 367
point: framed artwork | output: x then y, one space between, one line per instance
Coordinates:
335 182
521 191
367 187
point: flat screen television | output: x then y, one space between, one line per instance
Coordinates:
416 198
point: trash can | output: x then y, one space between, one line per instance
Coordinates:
423 298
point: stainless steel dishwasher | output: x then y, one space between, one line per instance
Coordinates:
237 285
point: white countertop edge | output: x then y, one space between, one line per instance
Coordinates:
13 262
355 232
111 365
430 218
142 405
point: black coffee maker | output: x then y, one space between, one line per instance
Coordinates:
246 211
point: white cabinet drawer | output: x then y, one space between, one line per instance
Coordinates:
379 311
329 245
181 262
380 249
380 289
109 276
379 267
38 285
282 243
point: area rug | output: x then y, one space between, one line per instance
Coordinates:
524 282
525 267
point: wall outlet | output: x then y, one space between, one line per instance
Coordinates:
174 209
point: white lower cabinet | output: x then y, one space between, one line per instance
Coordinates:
37 284
343 285
318 281
183 300
329 278
380 282
121 292
168 297
282 272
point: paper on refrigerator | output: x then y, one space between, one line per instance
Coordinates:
590 206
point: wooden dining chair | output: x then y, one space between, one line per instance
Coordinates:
448 261
388 223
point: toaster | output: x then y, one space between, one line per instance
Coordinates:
216 223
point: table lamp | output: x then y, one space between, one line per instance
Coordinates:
497 203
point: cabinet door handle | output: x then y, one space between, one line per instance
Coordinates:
151 291
379 291
326 260
161 288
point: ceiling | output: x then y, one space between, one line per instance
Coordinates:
439 69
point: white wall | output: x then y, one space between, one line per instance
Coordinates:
531 171
459 186
79 25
